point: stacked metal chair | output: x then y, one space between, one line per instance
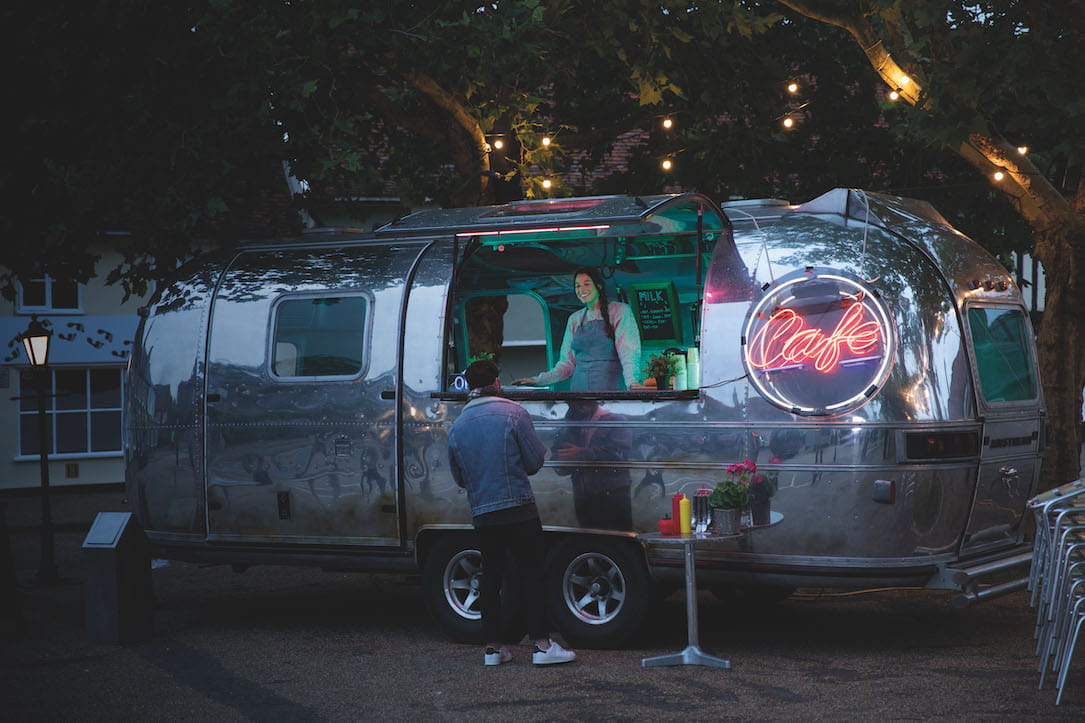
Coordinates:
1057 577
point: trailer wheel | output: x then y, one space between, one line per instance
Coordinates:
597 591
452 584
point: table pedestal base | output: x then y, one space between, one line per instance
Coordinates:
692 655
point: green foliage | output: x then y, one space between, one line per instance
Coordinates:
997 66
172 121
662 365
730 495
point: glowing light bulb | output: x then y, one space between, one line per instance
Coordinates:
667 123
546 183
667 165
499 144
998 176
1022 150
546 140
489 148
792 87
905 80
789 122
894 94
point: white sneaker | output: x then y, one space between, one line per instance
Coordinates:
497 657
554 654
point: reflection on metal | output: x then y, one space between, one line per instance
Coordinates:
819 343
228 460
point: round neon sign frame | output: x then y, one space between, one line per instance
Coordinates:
819 342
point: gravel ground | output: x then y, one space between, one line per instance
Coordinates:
293 644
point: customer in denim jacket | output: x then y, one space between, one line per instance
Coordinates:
492 448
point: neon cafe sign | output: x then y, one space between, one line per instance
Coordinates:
819 343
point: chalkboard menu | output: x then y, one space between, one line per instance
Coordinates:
655 304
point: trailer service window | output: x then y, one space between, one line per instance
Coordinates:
514 297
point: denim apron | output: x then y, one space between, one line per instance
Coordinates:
597 362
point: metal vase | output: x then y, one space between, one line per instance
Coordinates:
761 512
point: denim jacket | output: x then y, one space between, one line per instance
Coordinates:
492 448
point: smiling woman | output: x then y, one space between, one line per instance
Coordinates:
601 344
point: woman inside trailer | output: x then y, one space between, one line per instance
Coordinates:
601 346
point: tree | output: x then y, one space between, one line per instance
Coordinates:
174 121
131 118
986 78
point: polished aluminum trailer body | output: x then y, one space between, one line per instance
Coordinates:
905 466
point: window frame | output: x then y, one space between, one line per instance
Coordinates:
460 324
1028 346
52 412
21 307
700 253
272 339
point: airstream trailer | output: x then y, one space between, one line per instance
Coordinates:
289 403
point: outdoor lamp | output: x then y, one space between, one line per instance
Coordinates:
36 342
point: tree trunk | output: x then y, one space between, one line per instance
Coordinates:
460 130
1060 344
486 325
1058 224
467 141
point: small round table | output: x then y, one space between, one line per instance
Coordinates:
692 655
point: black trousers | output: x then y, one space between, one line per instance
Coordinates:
523 543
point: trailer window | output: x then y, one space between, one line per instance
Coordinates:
319 337
513 323
1003 357
514 300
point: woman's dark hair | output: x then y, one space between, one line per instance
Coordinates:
604 305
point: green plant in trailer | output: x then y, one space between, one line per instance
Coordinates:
662 365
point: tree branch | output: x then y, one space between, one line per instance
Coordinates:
1059 239
468 148
1037 200
873 46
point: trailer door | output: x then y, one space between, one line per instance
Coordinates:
1010 404
302 369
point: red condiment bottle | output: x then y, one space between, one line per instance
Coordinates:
676 509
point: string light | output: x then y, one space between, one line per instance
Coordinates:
499 144
546 183
894 94
1022 150
546 140
667 164
668 123
905 80
788 122
998 176
489 148
792 87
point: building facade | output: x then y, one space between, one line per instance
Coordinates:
92 331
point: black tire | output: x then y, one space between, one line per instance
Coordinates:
452 583
597 590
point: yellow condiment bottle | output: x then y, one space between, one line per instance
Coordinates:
684 515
